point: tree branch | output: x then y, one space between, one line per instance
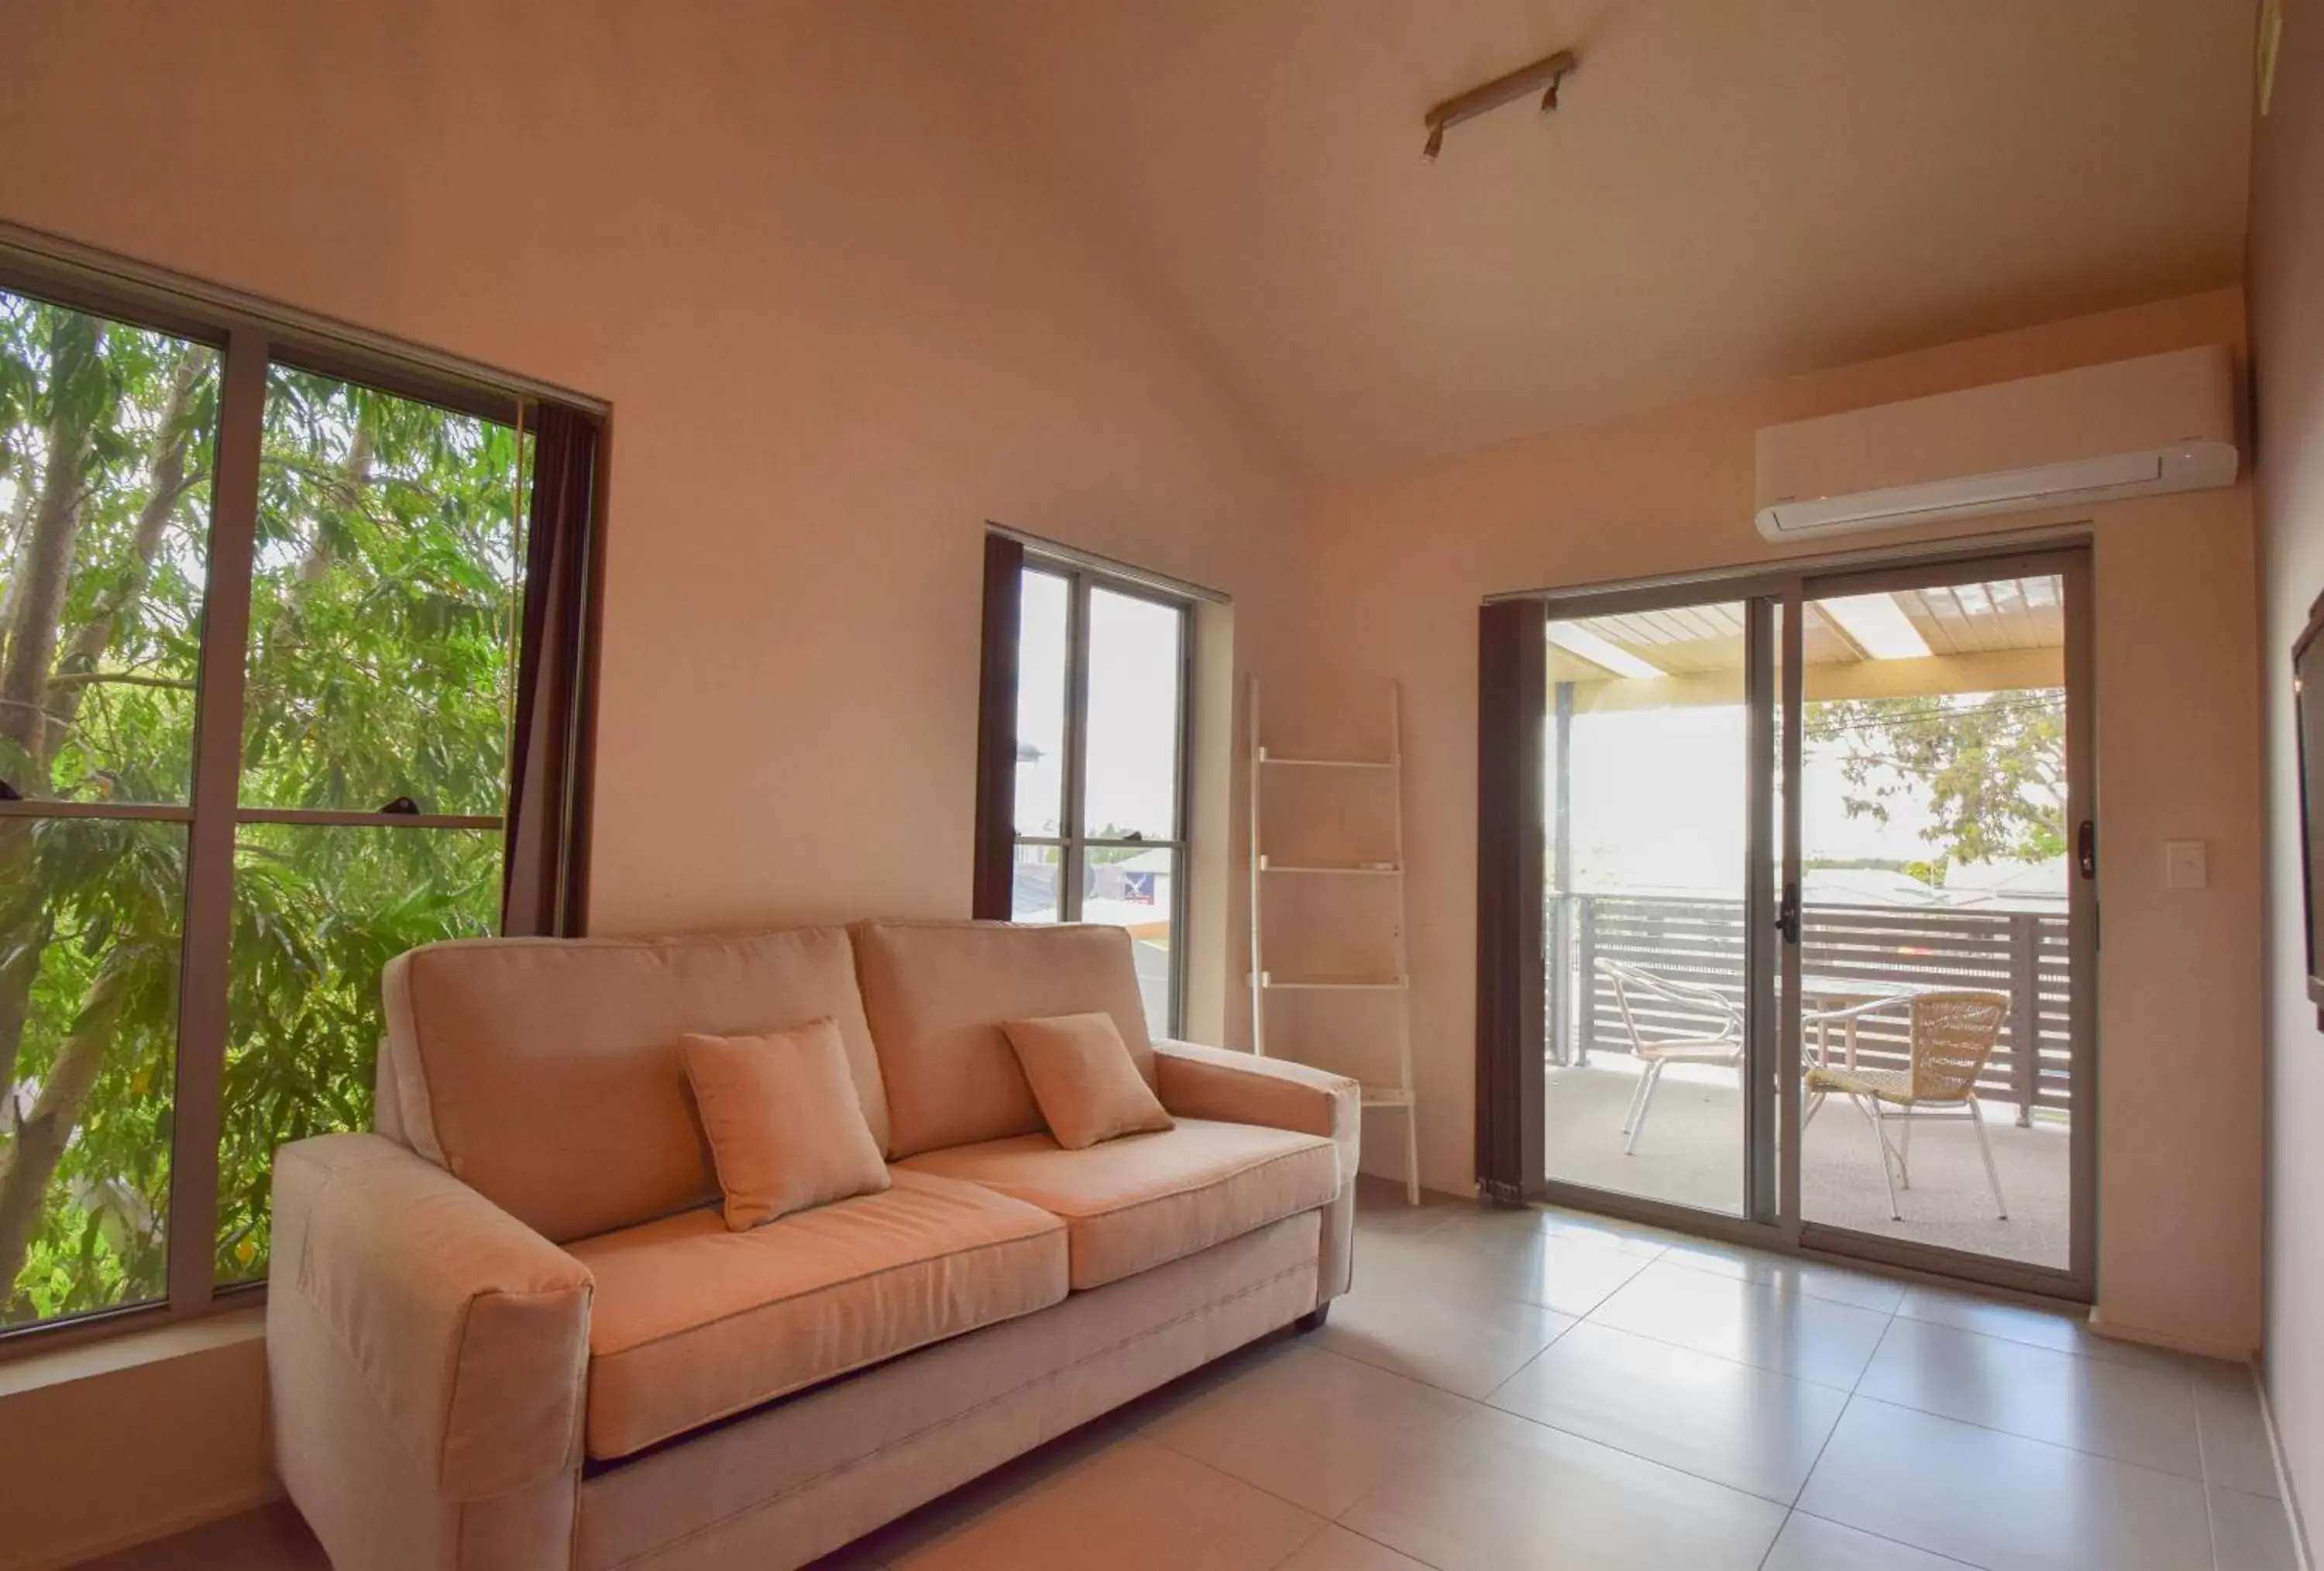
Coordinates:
43 1133
117 679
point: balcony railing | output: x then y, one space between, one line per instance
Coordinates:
2023 954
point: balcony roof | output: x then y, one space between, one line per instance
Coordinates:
1988 636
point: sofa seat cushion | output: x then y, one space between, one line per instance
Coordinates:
1138 1201
691 1323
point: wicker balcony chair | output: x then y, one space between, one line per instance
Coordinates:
1953 1034
1722 1044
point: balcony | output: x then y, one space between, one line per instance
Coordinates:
1691 1150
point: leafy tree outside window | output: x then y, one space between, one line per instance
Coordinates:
1991 769
386 574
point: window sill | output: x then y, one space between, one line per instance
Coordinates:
86 1360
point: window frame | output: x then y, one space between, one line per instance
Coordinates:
1073 842
250 339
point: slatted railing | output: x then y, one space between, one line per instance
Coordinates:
2023 954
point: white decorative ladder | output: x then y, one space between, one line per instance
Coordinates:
1396 989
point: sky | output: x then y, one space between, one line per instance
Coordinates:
1135 670
1658 802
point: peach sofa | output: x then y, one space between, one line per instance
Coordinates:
509 1330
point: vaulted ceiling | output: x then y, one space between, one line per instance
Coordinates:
1733 189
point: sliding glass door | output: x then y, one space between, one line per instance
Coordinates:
1650 775
1819 890
1946 844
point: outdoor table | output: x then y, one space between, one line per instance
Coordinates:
1825 998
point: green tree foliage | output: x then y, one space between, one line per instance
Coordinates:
383 605
1991 766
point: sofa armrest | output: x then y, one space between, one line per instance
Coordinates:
469 1331
1199 1082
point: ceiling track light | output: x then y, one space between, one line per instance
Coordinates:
1543 75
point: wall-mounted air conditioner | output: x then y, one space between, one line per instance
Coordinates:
2131 428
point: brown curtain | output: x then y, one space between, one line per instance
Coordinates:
996 730
544 881
1512 680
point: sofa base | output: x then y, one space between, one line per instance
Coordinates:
782 1485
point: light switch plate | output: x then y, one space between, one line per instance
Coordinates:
2186 864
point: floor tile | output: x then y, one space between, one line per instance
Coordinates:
1338 1549
1570 1273
1462 1340
1633 1236
1813 1544
1312 1427
1501 1493
1144 1506
2235 1452
2250 1532
2131 1414
1748 1428
1790 1333
1813 1278
1380 1206
2066 1331
2003 1501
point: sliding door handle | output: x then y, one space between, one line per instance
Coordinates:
1787 913
2086 848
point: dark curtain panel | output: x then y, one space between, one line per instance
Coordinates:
544 882
996 730
1512 677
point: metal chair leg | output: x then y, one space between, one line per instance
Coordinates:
1411 1154
1646 1105
1904 1153
1992 1177
1871 1107
1638 1095
1815 1105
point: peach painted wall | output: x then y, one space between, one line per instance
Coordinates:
111 1443
842 322
841 318
2287 312
1397 567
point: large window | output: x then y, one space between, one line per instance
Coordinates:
259 628
1101 742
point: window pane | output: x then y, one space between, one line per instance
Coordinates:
1041 706
1132 733
107 438
383 603
317 913
1128 887
90 911
1033 892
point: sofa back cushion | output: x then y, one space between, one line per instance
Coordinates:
545 1072
935 994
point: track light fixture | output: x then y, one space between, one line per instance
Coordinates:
1544 75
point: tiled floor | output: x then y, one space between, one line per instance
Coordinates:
1506 1391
